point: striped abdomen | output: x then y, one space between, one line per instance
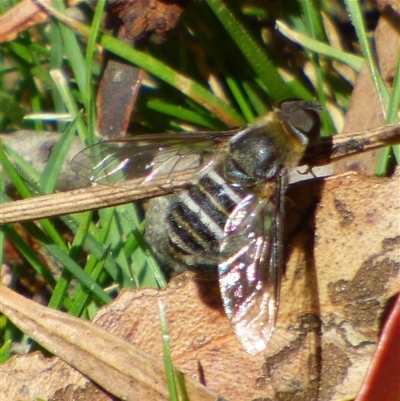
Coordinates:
196 220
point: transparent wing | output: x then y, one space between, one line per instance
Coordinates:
152 157
250 273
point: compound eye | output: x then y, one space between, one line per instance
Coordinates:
303 116
305 120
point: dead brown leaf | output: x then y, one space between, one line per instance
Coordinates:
119 367
28 377
25 14
357 263
340 287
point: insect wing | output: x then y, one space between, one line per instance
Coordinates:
153 157
249 275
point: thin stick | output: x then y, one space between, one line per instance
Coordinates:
334 148
327 150
80 200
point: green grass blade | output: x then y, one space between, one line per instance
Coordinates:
187 86
169 368
257 57
12 173
49 177
5 350
69 100
77 272
93 268
356 15
74 53
29 255
150 64
320 48
92 39
180 380
392 116
179 112
95 246
315 29
60 291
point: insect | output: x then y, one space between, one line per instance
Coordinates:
229 218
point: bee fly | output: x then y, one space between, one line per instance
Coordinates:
229 218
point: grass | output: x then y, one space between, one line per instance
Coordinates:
223 66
